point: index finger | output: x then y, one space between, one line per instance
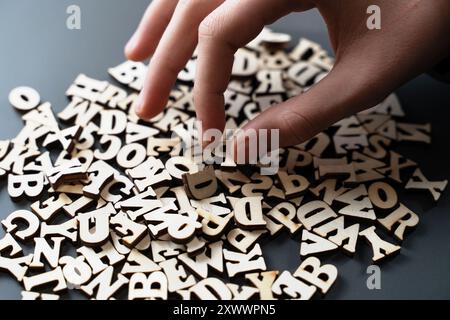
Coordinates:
220 35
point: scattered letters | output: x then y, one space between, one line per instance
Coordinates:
146 221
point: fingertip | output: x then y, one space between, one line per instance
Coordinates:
135 50
144 113
130 48
129 54
146 108
140 108
134 54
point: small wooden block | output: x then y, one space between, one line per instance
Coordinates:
250 189
104 285
24 98
136 132
16 266
293 185
152 287
403 218
285 213
242 239
312 271
336 232
181 228
358 203
47 209
161 250
131 155
141 204
263 282
251 218
100 174
67 229
98 235
243 263
418 181
30 186
46 278
212 257
130 73
26 216
138 262
295 288
94 256
313 213
242 292
396 164
131 231
213 226
176 275
200 185
414 132
381 248
313 244
28 295
382 195
65 138
8 243
148 174
211 289
76 271
114 145
211 204
68 171
328 190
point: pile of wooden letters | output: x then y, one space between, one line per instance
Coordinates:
118 211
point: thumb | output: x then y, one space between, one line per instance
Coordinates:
344 91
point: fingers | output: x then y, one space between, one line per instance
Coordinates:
146 38
345 91
172 54
225 30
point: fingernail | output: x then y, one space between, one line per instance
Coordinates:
131 43
139 105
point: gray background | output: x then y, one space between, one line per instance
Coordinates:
38 51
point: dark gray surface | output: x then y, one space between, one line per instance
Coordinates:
37 50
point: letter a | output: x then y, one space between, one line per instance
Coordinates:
374 20
374 280
73 22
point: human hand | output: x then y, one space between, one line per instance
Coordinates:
369 65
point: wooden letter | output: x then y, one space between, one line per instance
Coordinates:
418 181
403 217
381 248
251 218
152 287
31 219
294 288
200 185
313 272
239 262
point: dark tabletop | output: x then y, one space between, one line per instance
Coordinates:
38 50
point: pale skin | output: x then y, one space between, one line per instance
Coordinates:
370 64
